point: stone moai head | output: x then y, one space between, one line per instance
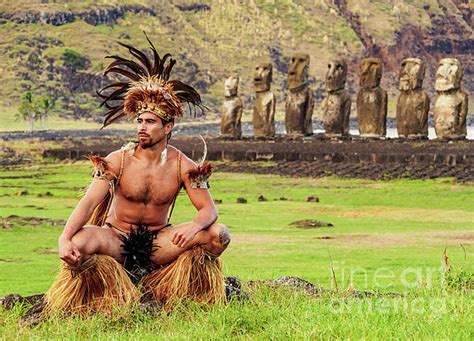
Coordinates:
448 75
336 75
411 74
370 72
263 77
231 85
298 72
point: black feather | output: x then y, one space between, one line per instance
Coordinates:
158 67
135 67
114 95
140 56
137 248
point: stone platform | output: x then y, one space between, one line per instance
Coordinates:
315 157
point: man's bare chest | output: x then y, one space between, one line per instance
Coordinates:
149 185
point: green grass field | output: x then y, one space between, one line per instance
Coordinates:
387 237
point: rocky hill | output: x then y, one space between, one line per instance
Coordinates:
57 48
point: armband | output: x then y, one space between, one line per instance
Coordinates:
199 177
101 170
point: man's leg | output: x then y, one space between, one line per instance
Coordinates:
213 239
193 272
93 239
97 283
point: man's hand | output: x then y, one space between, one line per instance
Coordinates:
69 252
183 235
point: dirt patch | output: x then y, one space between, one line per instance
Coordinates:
310 224
461 237
262 239
46 251
17 177
13 221
385 240
8 260
393 213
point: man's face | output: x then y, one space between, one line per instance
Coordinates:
370 73
448 75
298 72
411 74
263 77
150 130
336 75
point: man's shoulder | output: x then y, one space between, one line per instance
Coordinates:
186 162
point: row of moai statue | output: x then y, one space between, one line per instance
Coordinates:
413 104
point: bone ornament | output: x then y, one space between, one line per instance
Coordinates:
413 104
451 105
371 100
265 102
231 109
299 101
336 107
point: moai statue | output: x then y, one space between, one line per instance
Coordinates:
299 102
413 103
371 100
265 103
450 109
232 109
337 105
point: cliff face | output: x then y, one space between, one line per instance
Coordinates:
58 49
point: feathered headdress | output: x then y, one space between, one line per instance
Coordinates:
147 88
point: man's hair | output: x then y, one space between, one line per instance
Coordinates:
165 122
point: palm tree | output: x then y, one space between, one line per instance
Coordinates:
27 110
45 105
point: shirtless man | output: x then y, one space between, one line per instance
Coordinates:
123 217
144 196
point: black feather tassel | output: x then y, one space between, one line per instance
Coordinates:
137 249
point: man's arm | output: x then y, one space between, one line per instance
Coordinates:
201 199
83 212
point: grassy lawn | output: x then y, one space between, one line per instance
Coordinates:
387 237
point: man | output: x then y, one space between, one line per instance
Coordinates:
128 203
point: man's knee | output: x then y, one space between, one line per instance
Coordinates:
87 240
220 237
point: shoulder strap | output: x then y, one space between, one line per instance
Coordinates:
180 184
122 160
179 168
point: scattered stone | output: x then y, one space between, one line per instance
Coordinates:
47 194
217 201
310 224
10 301
35 314
241 200
261 198
324 237
312 198
283 199
233 289
21 193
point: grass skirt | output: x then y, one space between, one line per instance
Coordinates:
99 284
195 275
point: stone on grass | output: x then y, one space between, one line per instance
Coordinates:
241 200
